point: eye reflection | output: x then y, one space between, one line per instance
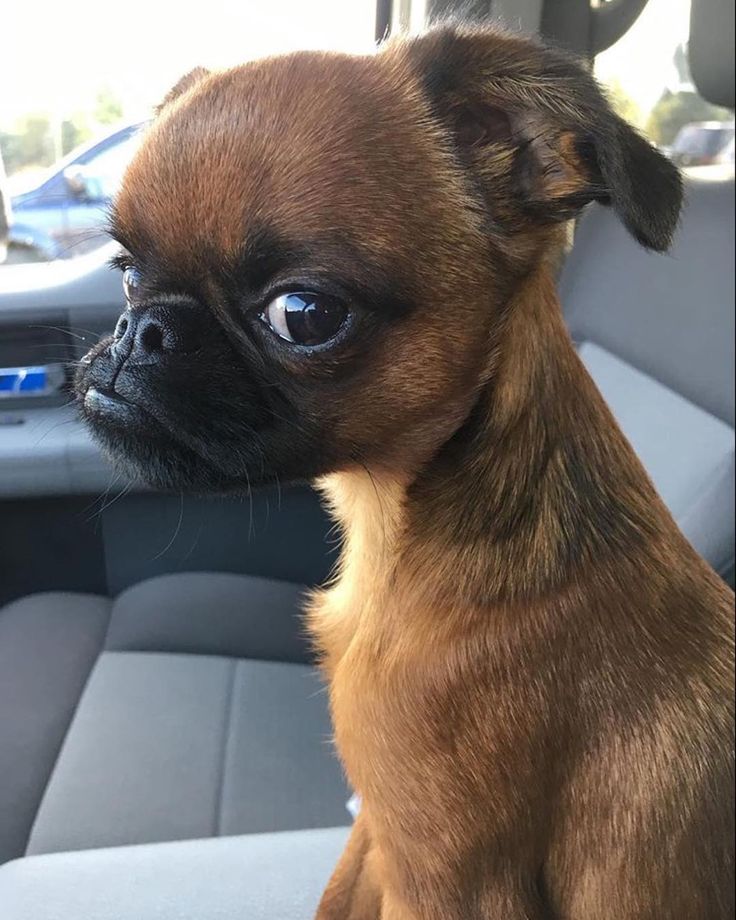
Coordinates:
132 284
305 317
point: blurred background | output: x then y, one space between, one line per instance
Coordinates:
79 80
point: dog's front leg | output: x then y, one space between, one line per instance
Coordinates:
500 905
352 893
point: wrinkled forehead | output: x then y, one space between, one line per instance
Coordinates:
297 148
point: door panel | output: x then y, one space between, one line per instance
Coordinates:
65 523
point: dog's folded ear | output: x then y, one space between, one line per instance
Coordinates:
532 123
182 86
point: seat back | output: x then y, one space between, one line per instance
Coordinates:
646 320
670 316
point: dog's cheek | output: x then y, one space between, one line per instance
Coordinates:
407 398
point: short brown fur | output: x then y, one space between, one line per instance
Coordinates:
537 730
530 669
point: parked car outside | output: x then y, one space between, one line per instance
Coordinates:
727 157
64 215
701 143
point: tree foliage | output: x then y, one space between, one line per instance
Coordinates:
623 104
74 131
682 106
37 141
675 110
108 107
31 144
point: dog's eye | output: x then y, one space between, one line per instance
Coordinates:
304 318
132 284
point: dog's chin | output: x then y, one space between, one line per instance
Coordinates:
146 450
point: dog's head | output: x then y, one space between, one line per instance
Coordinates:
316 249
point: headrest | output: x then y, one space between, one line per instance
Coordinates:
712 50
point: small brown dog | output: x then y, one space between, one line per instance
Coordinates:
342 269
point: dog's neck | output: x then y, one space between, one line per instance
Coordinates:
537 483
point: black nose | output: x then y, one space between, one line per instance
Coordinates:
150 333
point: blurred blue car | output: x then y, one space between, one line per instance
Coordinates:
64 215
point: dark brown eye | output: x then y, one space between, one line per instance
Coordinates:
305 318
132 285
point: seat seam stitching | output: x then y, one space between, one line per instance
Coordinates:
62 745
226 746
111 613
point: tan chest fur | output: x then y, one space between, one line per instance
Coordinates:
369 655
399 671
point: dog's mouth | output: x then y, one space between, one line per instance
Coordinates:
106 404
207 423
107 409
146 448
167 443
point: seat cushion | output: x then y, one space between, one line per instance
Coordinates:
136 722
172 747
211 614
688 453
48 645
260 877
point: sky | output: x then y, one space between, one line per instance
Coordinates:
641 61
57 56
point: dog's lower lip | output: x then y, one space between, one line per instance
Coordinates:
106 402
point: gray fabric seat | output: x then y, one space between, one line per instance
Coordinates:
688 453
657 335
186 708
258 877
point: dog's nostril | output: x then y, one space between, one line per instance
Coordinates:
151 338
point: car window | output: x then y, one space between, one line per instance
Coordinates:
102 172
648 77
71 79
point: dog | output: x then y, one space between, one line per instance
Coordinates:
341 269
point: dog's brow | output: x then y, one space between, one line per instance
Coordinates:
114 228
134 241
266 253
